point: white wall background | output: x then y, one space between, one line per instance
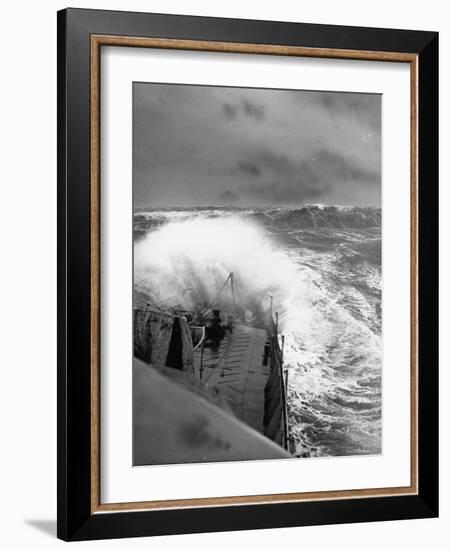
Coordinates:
28 271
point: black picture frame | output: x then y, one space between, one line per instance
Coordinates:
76 520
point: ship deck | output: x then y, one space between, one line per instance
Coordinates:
235 369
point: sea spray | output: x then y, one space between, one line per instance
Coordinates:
187 262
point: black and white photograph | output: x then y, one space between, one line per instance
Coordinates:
257 274
224 275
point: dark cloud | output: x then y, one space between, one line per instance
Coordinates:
337 166
229 111
195 145
253 110
282 179
245 107
277 163
248 168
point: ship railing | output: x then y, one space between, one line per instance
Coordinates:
276 413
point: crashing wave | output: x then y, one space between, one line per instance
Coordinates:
318 216
304 217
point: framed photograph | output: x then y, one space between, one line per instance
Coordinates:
247 241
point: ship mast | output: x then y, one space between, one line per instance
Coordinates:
229 279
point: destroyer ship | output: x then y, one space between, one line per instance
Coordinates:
208 382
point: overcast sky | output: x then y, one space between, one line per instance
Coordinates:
200 145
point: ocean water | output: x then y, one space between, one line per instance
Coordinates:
322 268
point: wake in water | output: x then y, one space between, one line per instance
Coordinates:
322 266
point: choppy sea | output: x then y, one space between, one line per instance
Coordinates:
321 267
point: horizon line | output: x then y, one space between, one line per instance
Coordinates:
272 206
